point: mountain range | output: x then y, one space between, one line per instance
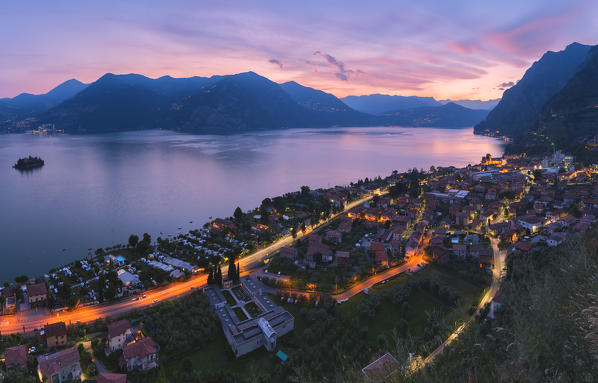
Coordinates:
554 105
520 105
217 104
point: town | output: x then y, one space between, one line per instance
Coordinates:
375 249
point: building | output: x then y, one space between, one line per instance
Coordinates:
342 257
118 332
16 357
127 278
10 301
107 377
261 329
555 239
37 293
530 222
59 367
381 369
288 252
54 334
334 236
141 355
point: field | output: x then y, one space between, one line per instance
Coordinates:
420 301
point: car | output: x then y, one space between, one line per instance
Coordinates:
136 298
155 301
32 349
144 296
78 322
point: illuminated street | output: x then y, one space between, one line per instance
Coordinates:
31 320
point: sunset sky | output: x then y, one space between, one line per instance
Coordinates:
445 49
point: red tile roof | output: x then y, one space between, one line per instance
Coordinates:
53 364
55 329
16 356
107 377
37 290
118 328
140 349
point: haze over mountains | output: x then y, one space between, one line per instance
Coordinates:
218 104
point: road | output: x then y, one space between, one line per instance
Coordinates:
30 320
499 262
370 282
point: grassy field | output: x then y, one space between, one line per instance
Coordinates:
420 301
219 356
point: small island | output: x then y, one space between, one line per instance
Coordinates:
29 163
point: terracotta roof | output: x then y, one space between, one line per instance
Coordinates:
53 364
16 356
107 377
118 328
37 289
342 254
377 246
140 349
381 368
55 329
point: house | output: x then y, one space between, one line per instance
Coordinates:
107 377
16 357
54 334
117 334
378 252
479 250
141 355
10 301
345 226
555 239
530 222
37 293
317 250
288 252
381 369
397 233
59 367
460 250
334 236
522 246
342 257
411 247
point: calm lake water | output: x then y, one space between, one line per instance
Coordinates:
94 191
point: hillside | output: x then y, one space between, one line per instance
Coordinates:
572 113
26 104
521 104
449 115
382 103
314 99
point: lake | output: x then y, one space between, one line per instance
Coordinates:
94 191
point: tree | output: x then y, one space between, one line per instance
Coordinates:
238 214
133 240
232 269
21 279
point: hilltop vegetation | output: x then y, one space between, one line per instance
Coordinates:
545 330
